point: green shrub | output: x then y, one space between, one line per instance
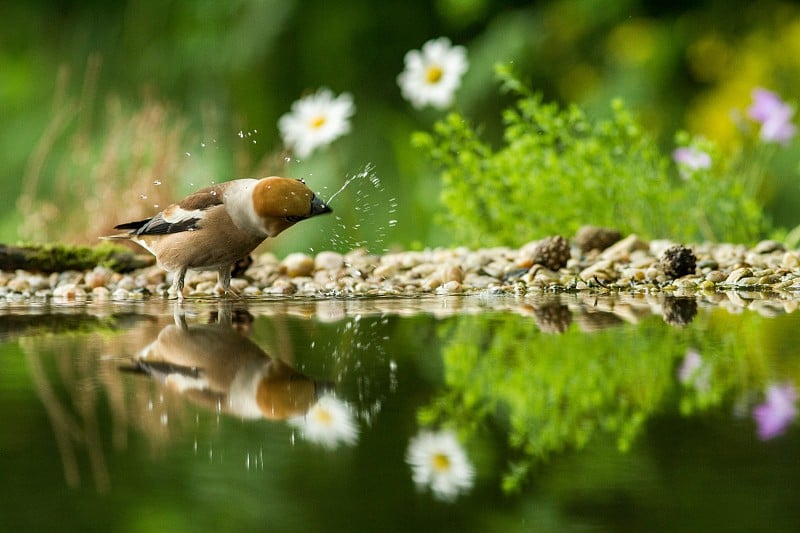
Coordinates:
559 169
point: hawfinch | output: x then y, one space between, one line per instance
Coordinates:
214 227
217 367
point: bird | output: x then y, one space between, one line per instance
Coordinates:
216 366
214 227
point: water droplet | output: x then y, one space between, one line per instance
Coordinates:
202 145
241 134
143 197
157 182
187 154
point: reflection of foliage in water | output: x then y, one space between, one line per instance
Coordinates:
553 392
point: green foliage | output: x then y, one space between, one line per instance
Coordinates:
550 393
559 169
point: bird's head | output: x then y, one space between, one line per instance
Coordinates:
283 202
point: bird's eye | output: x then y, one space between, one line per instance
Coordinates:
293 218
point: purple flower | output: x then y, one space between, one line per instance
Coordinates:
691 158
777 412
774 115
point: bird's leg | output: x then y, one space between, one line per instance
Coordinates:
224 280
177 283
180 317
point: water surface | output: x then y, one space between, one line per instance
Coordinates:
554 413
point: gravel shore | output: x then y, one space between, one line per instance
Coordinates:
630 265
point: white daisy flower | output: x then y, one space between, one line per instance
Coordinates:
330 422
433 74
438 461
316 120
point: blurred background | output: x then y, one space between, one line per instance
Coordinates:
110 111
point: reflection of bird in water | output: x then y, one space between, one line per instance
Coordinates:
216 366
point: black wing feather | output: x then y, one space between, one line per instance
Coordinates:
158 226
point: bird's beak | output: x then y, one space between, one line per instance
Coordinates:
318 207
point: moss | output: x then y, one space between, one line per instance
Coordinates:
54 257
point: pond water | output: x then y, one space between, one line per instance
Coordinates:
478 413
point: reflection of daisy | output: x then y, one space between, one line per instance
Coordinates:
777 412
316 120
438 461
329 423
433 74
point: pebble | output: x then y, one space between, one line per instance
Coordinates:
630 265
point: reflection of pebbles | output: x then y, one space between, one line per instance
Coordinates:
679 311
597 320
215 366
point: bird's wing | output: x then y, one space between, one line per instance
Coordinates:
184 216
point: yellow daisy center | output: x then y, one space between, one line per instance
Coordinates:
440 462
433 74
323 417
317 122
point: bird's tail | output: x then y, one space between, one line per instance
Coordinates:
117 237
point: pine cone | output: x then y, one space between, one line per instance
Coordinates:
678 261
552 252
590 238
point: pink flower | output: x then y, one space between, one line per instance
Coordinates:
691 158
777 412
774 115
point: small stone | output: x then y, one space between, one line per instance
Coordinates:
386 270
19 284
101 293
708 263
737 275
297 264
280 287
625 247
121 294
790 260
452 273
767 247
98 277
70 292
450 287
251 291
590 238
329 261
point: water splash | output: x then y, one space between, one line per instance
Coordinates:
370 212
